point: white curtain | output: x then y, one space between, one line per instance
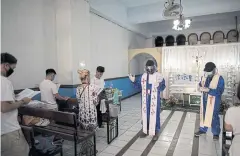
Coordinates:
182 59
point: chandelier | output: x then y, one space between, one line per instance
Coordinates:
181 23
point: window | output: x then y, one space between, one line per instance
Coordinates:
232 36
193 39
218 37
159 41
169 40
181 40
205 38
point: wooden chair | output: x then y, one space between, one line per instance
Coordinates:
69 131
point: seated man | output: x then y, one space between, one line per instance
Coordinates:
49 90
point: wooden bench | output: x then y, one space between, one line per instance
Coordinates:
112 123
69 131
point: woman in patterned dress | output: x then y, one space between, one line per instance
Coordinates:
87 100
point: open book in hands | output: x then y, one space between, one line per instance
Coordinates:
29 93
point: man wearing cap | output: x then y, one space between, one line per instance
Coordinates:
212 88
151 84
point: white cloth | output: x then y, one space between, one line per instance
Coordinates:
98 82
232 117
103 108
182 59
48 89
9 120
156 78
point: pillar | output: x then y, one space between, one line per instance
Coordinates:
73 38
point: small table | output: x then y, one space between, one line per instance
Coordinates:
194 94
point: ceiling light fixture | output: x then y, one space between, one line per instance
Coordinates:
181 23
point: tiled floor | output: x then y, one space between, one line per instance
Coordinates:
130 125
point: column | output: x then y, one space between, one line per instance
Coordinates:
72 37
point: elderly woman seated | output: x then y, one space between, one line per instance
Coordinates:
231 124
87 96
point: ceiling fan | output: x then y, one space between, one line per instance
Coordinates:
172 9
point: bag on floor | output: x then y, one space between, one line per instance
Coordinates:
46 145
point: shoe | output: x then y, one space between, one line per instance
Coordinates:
143 135
216 137
155 137
197 134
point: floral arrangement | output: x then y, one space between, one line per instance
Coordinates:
171 101
224 106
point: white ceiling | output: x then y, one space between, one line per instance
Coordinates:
144 11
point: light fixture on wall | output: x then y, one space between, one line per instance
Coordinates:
181 23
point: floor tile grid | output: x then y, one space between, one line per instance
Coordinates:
209 147
185 141
161 146
130 111
141 143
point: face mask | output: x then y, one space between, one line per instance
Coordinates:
150 69
9 72
206 74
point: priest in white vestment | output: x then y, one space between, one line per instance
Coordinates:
151 84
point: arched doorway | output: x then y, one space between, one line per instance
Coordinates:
138 62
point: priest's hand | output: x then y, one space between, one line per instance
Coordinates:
206 90
156 84
131 77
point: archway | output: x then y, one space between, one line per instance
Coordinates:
153 52
138 62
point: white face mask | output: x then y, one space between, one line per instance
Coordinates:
206 74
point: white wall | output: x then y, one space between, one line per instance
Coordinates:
37 33
109 46
28 32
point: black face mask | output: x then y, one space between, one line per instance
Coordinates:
9 72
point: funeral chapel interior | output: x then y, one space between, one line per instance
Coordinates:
119 43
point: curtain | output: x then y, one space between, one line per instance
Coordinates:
182 59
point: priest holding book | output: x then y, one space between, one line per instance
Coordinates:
212 88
